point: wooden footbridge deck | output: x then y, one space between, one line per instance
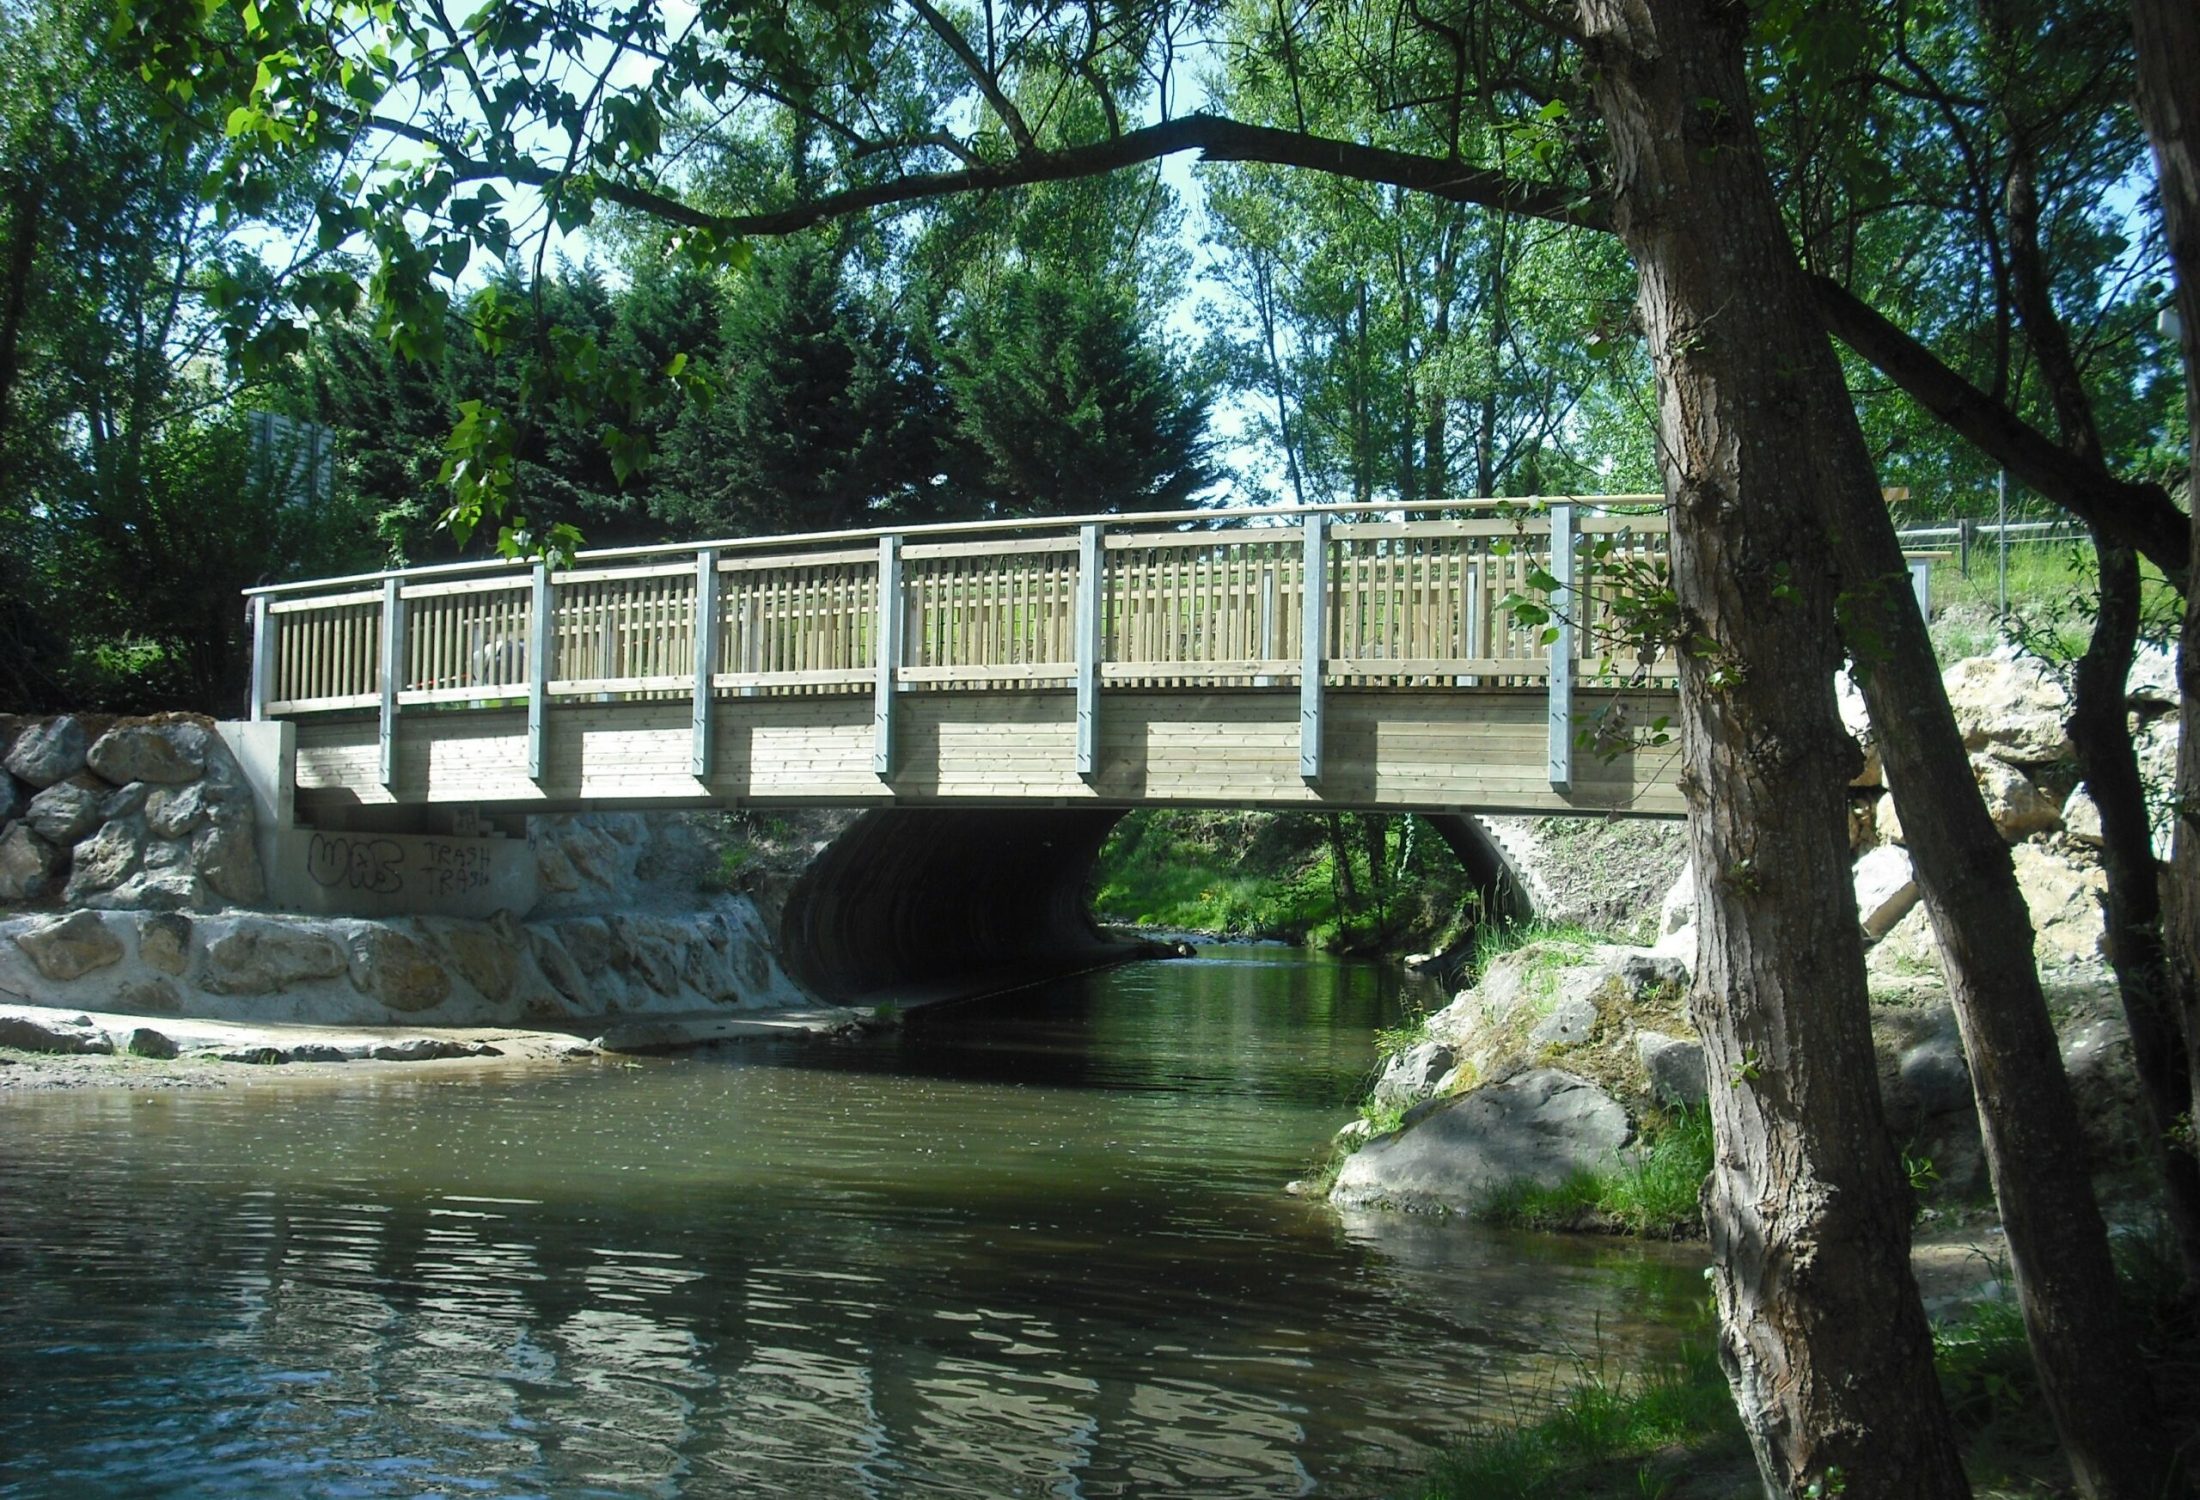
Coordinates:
1344 656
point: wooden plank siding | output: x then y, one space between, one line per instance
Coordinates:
1385 748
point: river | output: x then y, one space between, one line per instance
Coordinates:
1037 1246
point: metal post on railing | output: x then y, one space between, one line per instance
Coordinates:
888 649
1561 682
706 659
1313 639
393 674
540 669
263 656
1091 599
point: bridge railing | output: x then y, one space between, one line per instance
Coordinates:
1330 595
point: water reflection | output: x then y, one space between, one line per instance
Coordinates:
1036 1249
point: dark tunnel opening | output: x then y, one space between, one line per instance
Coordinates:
937 900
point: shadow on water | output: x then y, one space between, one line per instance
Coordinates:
1034 1247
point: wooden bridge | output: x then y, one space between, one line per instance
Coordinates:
1343 656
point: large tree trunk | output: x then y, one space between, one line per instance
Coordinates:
1823 1337
2168 33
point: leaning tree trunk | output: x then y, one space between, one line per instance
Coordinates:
1823 1337
2168 33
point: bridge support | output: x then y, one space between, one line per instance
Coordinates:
1312 641
263 656
393 674
1091 592
887 643
1562 647
540 669
706 658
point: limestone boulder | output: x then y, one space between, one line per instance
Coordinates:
14 797
40 1035
65 812
2081 818
170 889
1412 1075
485 954
70 947
106 859
1456 1154
1678 909
46 753
144 1041
2010 709
2019 809
2151 685
1585 1000
263 956
28 865
174 812
1910 950
165 754
1674 1066
1886 822
1856 719
227 857
1886 889
2155 744
402 973
2064 898
558 967
154 996
652 949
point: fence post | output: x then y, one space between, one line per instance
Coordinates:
706 658
540 669
263 656
393 673
1314 638
887 647
1561 681
1091 602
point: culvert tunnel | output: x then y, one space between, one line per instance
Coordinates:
911 900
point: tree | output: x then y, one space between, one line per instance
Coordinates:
1067 405
1754 750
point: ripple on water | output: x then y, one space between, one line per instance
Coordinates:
1036 1250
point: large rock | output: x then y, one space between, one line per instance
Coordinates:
1411 1075
27 864
2081 817
14 797
1856 719
71 946
227 858
486 956
46 753
27 1035
1886 889
106 859
1675 1067
144 1041
261 956
2065 901
174 812
2155 745
166 754
1678 909
66 811
2010 709
1455 1155
403 974
2019 809
1585 998
2151 684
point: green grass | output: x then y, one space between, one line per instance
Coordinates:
1604 1437
1273 875
1568 941
2051 595
1653 1194
1673 1423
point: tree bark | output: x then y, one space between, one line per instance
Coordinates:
2168 34
1823 1337
2101 731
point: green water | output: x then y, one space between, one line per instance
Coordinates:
1034 1247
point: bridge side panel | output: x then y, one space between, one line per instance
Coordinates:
1386 747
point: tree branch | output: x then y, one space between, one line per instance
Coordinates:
2136 515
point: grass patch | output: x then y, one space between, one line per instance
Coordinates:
2052 585
1568 942
1654 1194
1606 1437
